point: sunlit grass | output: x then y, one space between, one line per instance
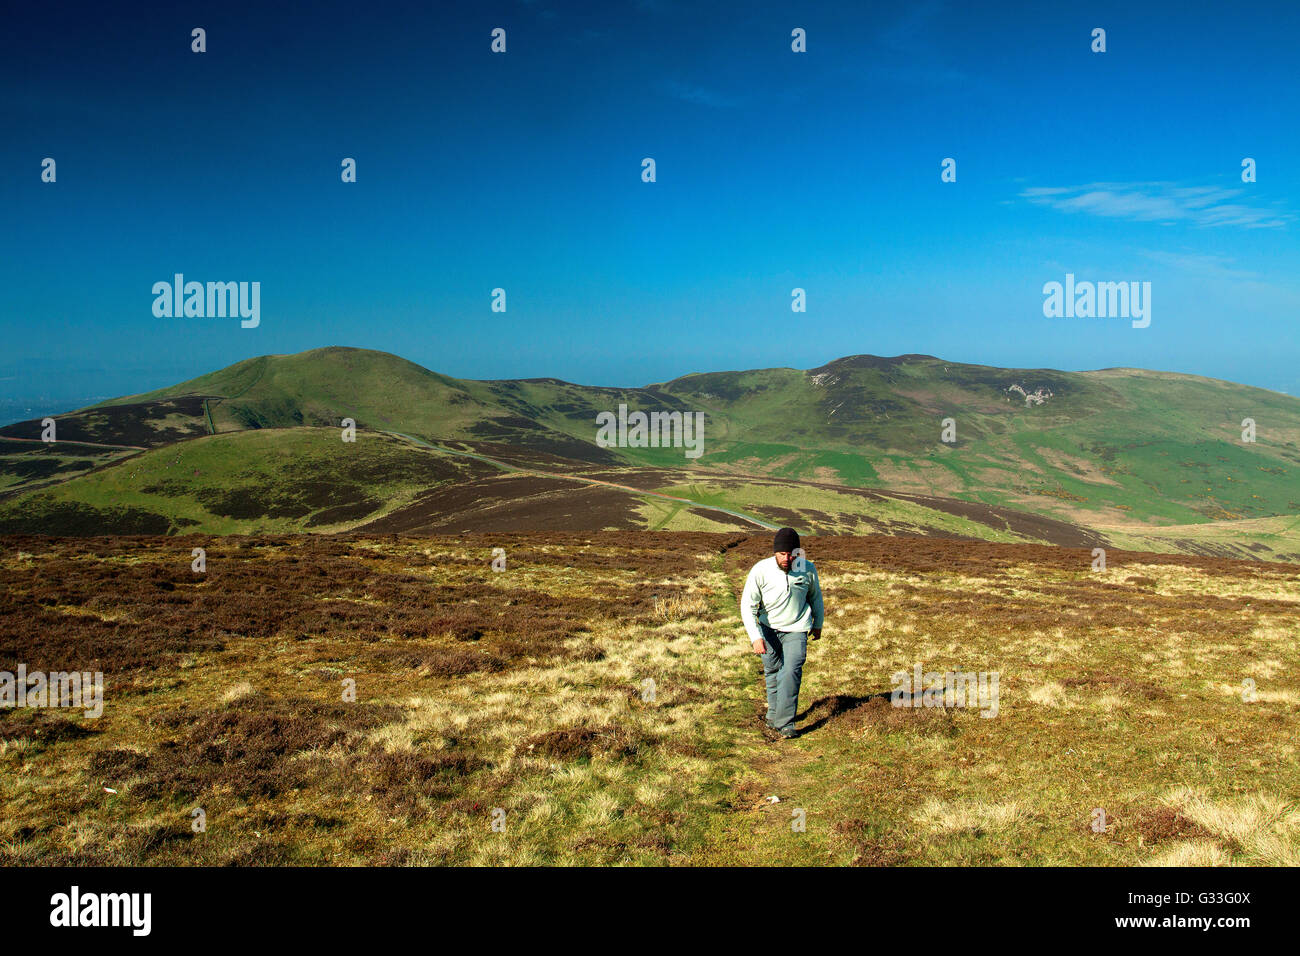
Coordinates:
631 732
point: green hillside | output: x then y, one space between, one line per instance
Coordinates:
1118 444
375 389
298 479
1145 450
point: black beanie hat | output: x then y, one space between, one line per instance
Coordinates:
787 539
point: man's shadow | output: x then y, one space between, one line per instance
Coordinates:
827 708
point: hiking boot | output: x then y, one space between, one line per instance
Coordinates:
789 733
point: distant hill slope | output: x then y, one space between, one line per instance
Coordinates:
270 480
375 389
278 480
1119 444
1114 447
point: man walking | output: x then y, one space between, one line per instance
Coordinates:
781 606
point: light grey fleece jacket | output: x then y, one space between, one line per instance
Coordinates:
783 601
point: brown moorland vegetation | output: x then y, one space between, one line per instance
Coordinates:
596 699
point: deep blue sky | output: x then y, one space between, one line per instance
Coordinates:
775 170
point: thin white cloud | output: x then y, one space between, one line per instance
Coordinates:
693 93
1206 266
1159 202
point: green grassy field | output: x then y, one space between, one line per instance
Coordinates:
269 480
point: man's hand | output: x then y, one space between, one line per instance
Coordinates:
760 647
815 633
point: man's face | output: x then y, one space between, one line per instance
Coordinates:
783 560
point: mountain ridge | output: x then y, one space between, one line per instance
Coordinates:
1106 447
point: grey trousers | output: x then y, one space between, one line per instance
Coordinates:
783 670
